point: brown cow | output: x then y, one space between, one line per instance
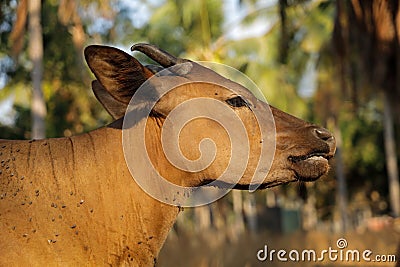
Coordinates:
72 201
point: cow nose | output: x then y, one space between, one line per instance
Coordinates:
324 135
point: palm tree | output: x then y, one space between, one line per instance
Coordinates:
38 106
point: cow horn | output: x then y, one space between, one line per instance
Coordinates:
162 57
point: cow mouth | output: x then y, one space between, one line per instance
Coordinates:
311 166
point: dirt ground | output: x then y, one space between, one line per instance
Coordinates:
213 249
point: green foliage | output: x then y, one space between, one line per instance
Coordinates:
21 127
70 102
180 26
365 158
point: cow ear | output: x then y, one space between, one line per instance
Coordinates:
118 73
115 108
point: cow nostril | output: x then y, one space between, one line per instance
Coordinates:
323 134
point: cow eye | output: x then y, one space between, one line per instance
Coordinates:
237 102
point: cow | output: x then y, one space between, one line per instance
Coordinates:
75 200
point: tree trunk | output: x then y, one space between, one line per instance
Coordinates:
238 212
284 40
203 218
205 24
341 196
391 157
18 32
38 108
310 215
250 211
68 15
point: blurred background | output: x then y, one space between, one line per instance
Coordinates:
334 63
